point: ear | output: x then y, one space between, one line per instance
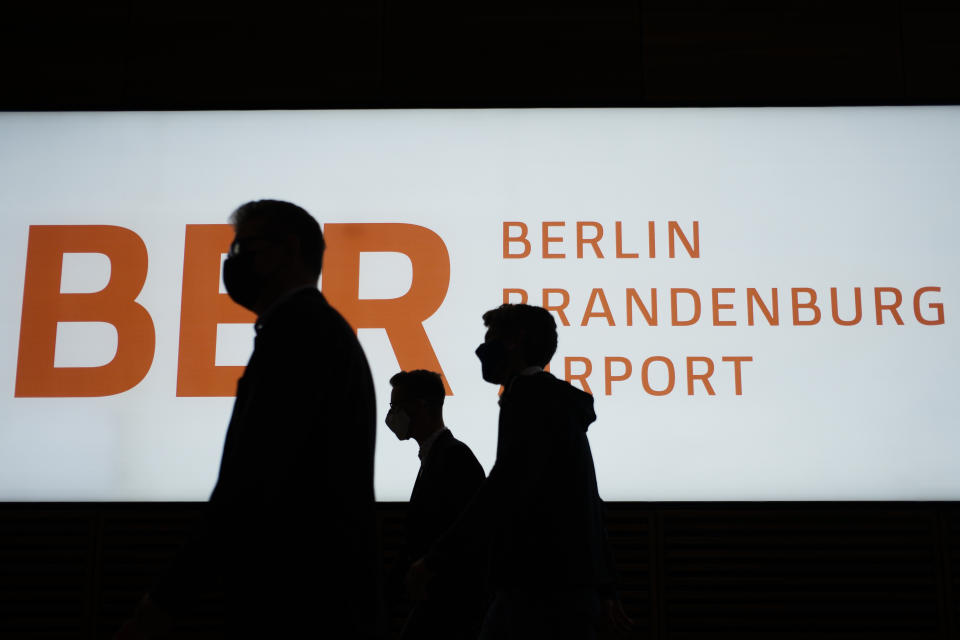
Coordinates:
514 346
291 245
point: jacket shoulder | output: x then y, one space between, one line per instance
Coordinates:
458 455
309 314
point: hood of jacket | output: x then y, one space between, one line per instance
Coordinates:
560 394
579 401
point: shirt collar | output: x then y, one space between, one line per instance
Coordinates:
529 371
532 370
428 443
279 301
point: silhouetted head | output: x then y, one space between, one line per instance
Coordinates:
277 246
416 404
518 336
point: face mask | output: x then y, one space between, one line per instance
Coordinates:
493 356
241 280
399 422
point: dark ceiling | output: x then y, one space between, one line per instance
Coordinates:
391 53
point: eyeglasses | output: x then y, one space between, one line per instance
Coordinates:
242 245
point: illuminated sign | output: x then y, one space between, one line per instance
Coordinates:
760 300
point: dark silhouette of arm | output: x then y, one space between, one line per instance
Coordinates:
521 458
283 457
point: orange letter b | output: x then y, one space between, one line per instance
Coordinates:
44 306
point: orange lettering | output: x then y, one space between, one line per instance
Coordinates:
564 301
892 307
674 233
717 322
834 305
507 293
651 315
570 376
402 317
509 239
595 295
593 242
936 306
609 378
811 304
618 232
546 239
773 318
645 379
702 377
673 307
737 380
202 308
44 306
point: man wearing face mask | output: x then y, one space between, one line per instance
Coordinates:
449 477
551 569
290 528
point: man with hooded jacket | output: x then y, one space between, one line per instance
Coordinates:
550 569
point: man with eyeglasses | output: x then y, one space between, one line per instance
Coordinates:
290 528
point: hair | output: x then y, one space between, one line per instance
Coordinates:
533 327
421 384
282 219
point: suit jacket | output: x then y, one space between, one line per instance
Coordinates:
539 508
290 527
448 480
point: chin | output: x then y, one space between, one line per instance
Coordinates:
492 379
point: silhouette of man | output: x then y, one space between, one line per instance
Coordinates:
550 565
449 477
290 527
